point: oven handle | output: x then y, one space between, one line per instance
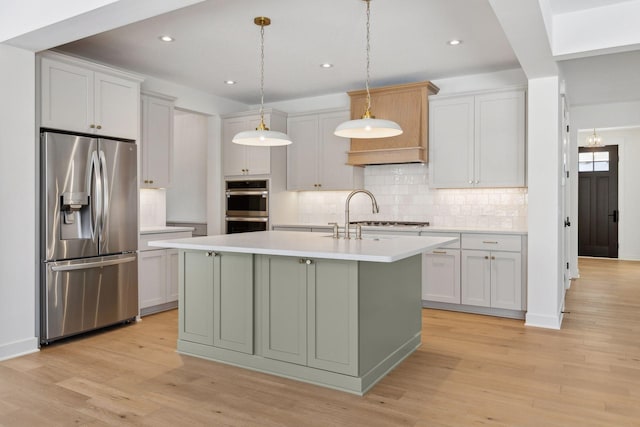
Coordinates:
246 219
247 193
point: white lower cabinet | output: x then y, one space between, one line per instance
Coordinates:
485 276
158 274
492 271
441 275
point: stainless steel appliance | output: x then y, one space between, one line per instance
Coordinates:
247 205
89 237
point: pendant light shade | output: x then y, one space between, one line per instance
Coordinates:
261 136
368 126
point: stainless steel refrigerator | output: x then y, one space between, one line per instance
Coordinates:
89 233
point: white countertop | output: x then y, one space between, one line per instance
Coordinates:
312 245
400 228
164 229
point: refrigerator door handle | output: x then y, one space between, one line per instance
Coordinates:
105 195
94 264
96 196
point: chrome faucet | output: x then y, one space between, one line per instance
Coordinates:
374 207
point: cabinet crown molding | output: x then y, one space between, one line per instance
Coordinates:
93 66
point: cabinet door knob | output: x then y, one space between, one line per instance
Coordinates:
493 257
210 253
470 181
146 181
92 126
308 262
486 257
151 182
98 127
477 181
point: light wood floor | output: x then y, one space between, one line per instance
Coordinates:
470 370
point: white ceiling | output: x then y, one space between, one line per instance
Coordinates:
568 6
216 40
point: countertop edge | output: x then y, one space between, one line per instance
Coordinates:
301 252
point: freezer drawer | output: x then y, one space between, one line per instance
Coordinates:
82 295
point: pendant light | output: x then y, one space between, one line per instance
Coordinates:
368 126
262 136
594 140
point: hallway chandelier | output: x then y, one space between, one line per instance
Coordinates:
594 140
262 136
368 126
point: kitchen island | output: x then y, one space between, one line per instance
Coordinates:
333 312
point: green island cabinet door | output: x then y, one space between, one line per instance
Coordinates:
216 299
195 301
310 312
233 302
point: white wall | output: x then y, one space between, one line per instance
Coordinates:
18 254
187 196
545 295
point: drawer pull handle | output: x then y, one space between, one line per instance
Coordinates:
486 257
439 252
488 241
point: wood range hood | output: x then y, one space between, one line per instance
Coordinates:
407 105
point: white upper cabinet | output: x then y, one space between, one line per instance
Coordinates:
157 141
317 158
244 159
477 141
83 97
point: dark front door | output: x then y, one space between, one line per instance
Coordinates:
598 201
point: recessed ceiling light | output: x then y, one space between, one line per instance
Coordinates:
326 65
230 82
166 38
454 42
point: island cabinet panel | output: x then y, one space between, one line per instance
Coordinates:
233 302
309 312
390 311
196 297
216 299
333 316
284 309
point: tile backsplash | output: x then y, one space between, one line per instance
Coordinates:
403 194
153 208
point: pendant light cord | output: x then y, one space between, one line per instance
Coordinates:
262 75
368 111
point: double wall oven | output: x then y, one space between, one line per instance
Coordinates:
247 205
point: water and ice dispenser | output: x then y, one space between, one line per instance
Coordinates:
75 216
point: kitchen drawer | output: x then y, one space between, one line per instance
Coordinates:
492 242
143 243
454 245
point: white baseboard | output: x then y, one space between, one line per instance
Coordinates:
543 321
18 348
